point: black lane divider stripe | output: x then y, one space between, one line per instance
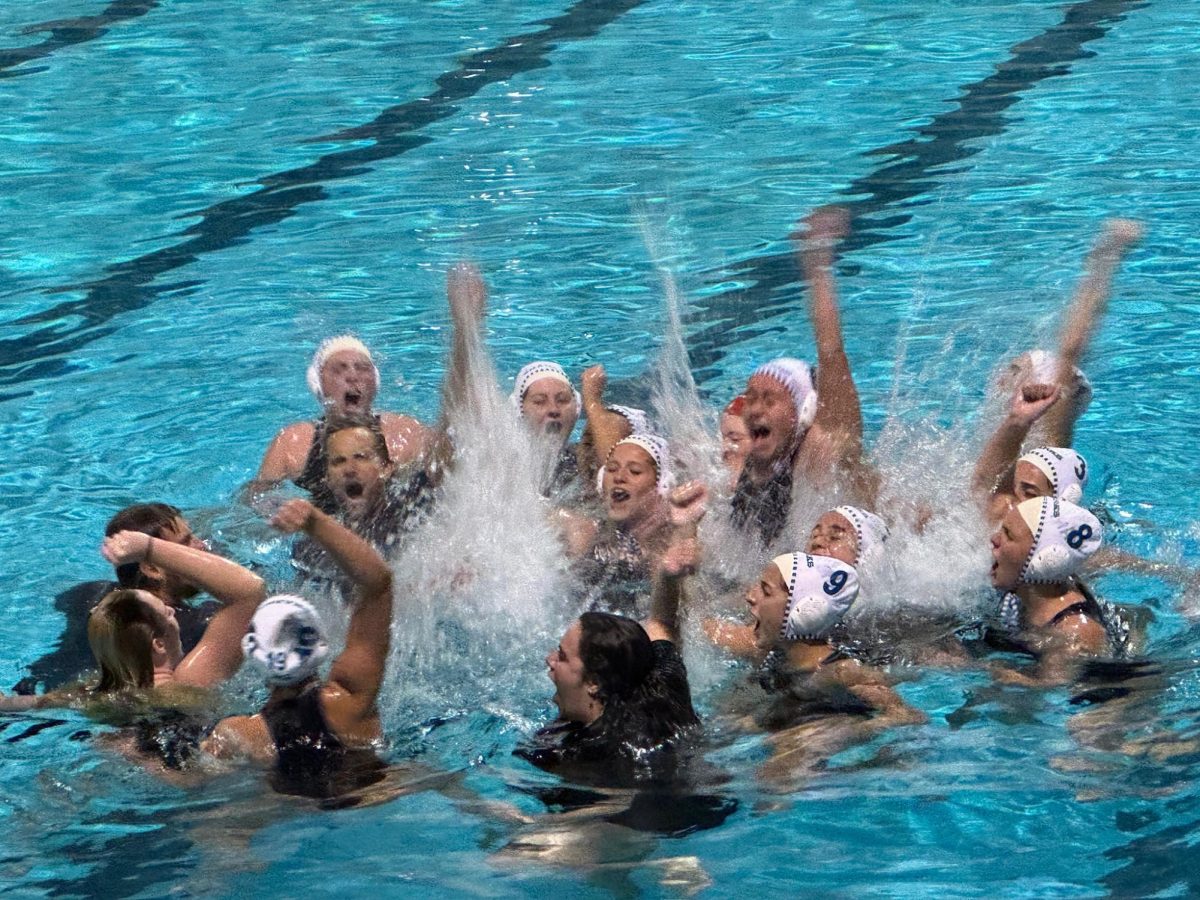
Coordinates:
916 170
67 33
34 729
127 285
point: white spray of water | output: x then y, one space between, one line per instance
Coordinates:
936 560
481 592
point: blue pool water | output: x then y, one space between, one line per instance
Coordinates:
196 192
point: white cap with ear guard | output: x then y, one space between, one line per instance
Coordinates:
328 347
1065 469
659 452
535 371
871 530
285 640
1064 537
796 376
821 591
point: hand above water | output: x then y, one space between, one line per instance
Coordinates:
1030 402
467 294
295 515
126 547
689 503
592 382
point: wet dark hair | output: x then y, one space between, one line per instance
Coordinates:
148 518
616 652
343 422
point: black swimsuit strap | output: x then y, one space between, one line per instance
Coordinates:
1080 607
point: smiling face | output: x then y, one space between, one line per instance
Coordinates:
355 471
549 407
1010 549
348 382
768 599
630 485
771 420
574 693
834 536
1029 482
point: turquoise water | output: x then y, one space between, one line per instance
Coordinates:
197 192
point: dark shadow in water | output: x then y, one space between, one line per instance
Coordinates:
1163 864
155 857
69 32
127 285
916 168
918 165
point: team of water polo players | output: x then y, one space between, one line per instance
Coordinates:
630 526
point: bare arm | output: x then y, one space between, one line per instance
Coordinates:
869 685
219 653
1087 308
680 560
732 637
838 411
993 472
359 670
466 294
606 426
406 437
285 457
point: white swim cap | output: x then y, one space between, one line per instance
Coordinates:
328 347
871 530
639 422
821 590
1044 368
659 452
285 639
1064 537
1065 469
796 376
534 371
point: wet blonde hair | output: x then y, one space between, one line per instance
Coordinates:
121 630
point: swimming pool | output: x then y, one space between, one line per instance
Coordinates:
197 192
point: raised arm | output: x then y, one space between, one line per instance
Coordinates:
606 426
838 410
358 672
219 653
993 472
682 556
466 294
1087 308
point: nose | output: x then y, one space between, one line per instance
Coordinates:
996 541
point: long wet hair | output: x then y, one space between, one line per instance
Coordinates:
641 713
121 630
617 654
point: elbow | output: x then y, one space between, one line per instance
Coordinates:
257 589
380 583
